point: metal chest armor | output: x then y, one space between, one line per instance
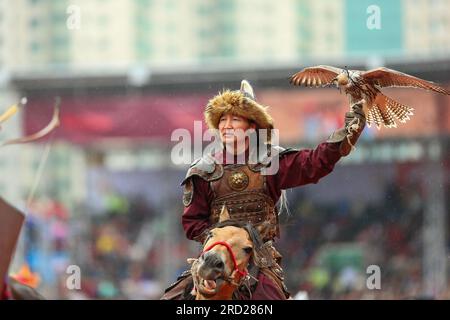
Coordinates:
242 188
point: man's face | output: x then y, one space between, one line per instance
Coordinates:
232 127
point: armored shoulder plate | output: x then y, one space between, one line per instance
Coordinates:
275 151
206 168
284 151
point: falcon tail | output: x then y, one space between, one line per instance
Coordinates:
385 111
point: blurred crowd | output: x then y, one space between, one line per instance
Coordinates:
119 251
129 246
123 251
327 249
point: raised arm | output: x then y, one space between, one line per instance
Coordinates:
310 165
307 166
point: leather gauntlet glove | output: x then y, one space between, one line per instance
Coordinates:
355 122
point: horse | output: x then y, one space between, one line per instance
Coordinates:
223 264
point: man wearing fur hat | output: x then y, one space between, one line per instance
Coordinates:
248 191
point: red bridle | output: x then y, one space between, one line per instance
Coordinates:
230 251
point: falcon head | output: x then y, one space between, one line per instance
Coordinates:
342 79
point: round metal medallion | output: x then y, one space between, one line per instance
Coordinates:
238 181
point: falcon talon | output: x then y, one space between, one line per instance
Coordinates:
354 127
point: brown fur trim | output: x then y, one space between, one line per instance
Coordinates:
235 102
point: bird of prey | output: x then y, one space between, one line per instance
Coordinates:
366 85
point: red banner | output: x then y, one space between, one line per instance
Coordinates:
300 115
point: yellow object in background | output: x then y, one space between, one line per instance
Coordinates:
9 113
12 110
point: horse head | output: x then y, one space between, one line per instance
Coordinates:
227 252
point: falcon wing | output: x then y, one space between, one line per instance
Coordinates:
318 76
385 77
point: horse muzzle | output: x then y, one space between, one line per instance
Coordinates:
210 273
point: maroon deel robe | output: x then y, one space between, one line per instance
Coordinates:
295 169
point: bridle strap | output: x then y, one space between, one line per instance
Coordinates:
230 251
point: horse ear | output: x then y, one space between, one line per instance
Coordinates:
224 215
263 229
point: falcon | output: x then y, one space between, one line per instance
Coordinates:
366 86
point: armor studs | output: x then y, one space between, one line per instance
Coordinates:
238 181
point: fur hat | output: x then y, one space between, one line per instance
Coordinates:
241 103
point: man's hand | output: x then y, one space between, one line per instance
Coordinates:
355 122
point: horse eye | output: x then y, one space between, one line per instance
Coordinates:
248 250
